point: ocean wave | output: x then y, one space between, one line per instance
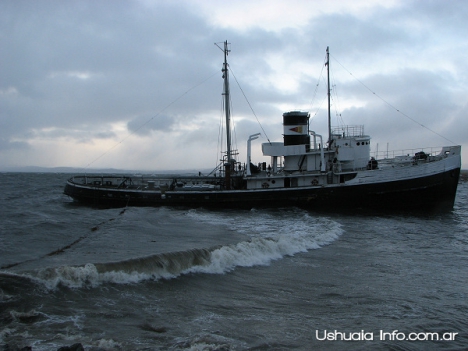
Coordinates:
259 250
155 267
271 223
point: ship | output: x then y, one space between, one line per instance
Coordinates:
307 170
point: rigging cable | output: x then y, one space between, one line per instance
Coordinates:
393 107
334 97
233 128
316 90
148 121
233 125
219 147
248 102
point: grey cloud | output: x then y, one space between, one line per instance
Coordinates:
143 125
127 53
13 145
73 69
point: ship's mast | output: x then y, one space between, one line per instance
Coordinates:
227 103
328 88
229 163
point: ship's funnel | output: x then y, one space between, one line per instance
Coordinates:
296 128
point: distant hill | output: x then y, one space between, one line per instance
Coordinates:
34 169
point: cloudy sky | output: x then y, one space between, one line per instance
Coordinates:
137 84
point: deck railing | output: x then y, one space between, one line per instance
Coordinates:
388 154
349 131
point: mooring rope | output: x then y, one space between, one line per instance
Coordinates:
66 247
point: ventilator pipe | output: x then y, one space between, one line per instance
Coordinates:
249 161
322 154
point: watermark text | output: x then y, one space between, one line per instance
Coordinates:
335 335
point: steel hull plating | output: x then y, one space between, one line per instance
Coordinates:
430 192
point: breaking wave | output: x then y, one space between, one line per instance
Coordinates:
155 267
269 243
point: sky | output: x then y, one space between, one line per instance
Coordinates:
137 84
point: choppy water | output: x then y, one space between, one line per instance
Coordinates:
174 279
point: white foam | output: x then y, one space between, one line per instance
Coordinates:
273 235
73 277
269 223
261 251
88 276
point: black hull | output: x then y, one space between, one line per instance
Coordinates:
434 192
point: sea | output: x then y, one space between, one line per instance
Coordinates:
163 278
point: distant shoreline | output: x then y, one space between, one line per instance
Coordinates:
35 169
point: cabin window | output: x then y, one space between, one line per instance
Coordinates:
287 182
